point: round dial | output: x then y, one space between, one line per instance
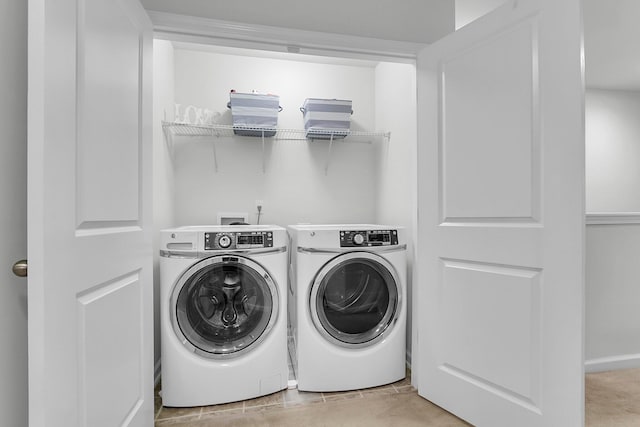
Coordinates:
358 239
224 241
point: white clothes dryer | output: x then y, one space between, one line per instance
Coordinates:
223 313
347 305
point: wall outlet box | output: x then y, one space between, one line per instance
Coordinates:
229 218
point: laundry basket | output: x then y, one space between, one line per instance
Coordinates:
326 118
254 114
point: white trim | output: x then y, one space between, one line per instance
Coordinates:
183 28
598 218
626 361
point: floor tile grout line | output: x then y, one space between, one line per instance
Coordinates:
222 411
177 417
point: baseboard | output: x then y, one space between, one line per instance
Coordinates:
156 373
612 363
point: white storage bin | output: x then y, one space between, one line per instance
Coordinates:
326 118
254 114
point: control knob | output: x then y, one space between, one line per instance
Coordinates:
358 239
224 241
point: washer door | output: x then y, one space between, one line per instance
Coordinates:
224 306
354 299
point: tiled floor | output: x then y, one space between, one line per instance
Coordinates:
612 400
293 407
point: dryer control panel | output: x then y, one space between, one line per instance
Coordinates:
366 238
238 240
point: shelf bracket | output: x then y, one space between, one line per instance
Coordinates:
263 153
326 167
213 146
168 138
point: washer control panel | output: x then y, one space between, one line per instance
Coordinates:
238 240
366 238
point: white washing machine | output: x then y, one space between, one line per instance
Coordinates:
347 305
223 313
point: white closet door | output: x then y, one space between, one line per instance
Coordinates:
501 217
89 221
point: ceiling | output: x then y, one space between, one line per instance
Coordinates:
612 44
417 21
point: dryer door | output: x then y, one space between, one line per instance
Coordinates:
355 299
224 306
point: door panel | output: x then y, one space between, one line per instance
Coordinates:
109 72
117 344
89 195
501 217
473 290
475 185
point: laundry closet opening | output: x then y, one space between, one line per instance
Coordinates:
368 177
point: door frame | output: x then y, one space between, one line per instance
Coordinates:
226 34
189 29
14 391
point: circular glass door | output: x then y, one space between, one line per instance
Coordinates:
354 299
224 306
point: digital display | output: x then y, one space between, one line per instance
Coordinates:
244 239
378 237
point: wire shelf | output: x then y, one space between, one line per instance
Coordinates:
187 129
173 129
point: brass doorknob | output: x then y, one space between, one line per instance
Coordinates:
20 268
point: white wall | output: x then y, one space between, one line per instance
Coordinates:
612 295
395 92
294 187
13 212
422 21
612 150
163 186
